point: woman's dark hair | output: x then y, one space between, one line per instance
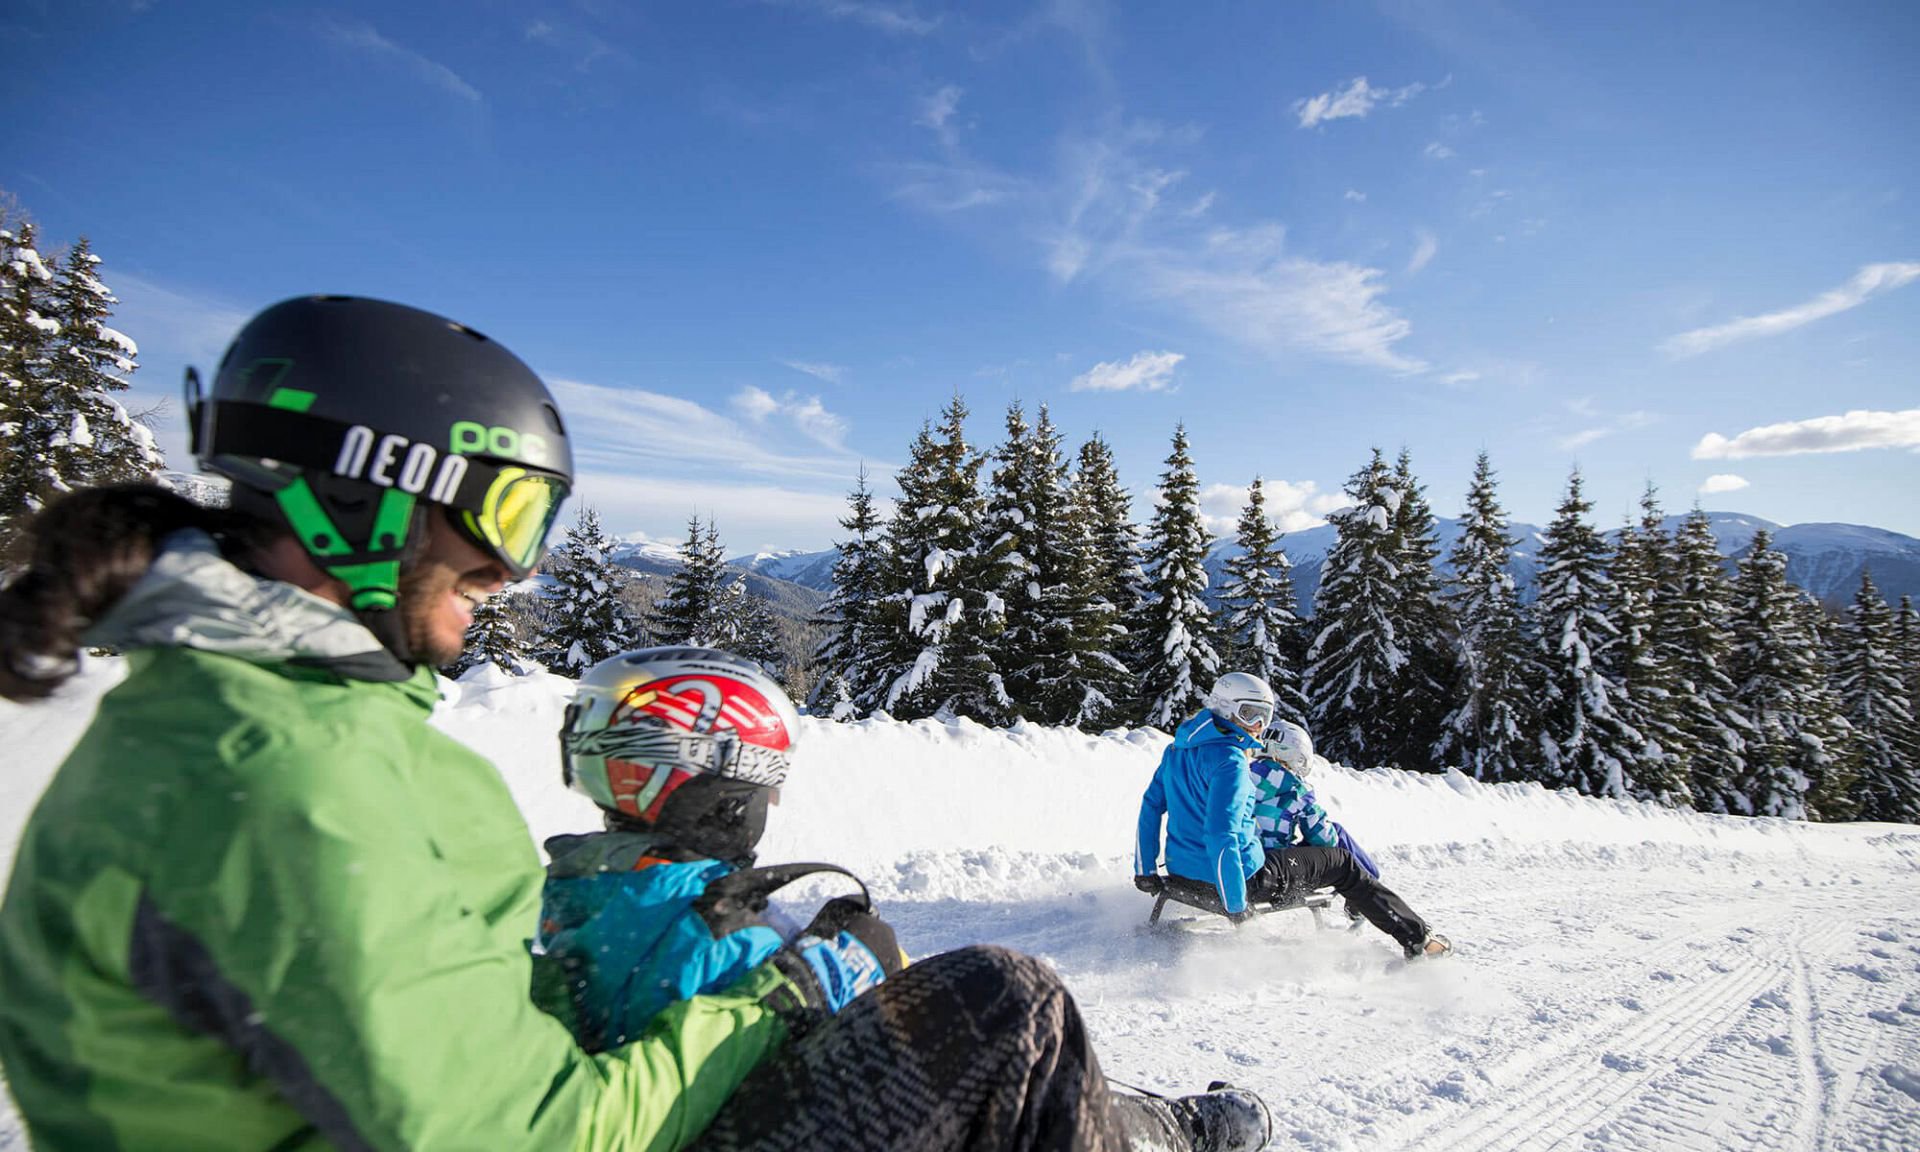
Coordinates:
84 553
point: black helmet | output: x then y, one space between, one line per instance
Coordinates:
345 413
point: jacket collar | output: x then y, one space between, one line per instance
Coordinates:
193 597
1203 727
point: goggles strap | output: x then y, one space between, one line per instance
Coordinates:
370 570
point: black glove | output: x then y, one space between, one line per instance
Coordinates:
1150 883
853 915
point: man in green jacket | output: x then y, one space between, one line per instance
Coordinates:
263 905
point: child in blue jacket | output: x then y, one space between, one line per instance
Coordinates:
682 748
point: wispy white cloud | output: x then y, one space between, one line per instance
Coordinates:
1145 372
1198 208
1354 101
1293 506
1105 218
1722 482
586 49
819 370
1606 425
1870 281
1354 196
894 19
804 413
1853 431
937 109
635 430
1437 151
749 516
364 37
1244 285
1462 376
1426 246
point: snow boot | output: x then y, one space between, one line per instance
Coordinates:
1222 1119
1432 948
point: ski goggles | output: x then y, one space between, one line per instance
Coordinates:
514 516
1253 714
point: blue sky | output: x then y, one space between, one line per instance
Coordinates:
753 245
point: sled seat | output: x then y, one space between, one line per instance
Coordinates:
1204 896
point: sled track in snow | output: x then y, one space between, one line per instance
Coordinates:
1664 1075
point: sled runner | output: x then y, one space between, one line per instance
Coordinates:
1205 897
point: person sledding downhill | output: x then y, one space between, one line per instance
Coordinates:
682 749
1204 791
265 904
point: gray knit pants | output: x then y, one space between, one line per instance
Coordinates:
978 1050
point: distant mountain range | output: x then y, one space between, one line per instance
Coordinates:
1824 559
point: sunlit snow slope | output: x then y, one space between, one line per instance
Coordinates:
1627 977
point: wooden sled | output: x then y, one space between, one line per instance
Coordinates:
1205 897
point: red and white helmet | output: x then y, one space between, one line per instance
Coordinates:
646 724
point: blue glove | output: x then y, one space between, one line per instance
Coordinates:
842 966
1353 849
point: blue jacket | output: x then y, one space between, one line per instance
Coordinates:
620 938
1203 789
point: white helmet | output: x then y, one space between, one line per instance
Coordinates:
1288 744
689 742
1243 698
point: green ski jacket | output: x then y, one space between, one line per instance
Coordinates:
263 905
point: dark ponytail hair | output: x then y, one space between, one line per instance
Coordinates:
88 549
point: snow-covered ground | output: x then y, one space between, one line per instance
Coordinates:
1626 977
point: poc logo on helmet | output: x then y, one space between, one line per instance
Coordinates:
474 439
397 462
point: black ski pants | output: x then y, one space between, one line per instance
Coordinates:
976 1050
1294 872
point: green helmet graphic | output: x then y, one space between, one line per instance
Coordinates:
348 414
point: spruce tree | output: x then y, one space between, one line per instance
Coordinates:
689 611
585 619
1108 571
1257 598
941 610
1873 699
1585 743
60 364
1355 661
1490 733
1423 625
493 637
850 651
1833 794
1775 672
1641 575
744 624
1693 615
1182 662
1018 559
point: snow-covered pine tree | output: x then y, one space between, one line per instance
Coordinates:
687 612
1355 660
586 622
849 654
1692 619
1022 501
1774 668
744 624
1183 661
1109 573
1639 575
1585 744
1906 653
1423 625
1833 794
1257 599
1873 698
493 637
939 615
60 426
1066 674
1490 733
